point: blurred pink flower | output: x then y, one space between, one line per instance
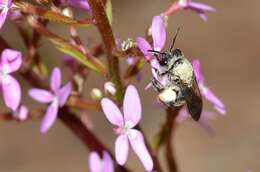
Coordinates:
5 5
14 14
96 164
11 61
197 7
205 91
56 98
203 121
21 113
125 127
80 4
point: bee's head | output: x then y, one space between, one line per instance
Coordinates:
162 57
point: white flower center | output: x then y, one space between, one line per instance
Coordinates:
126 128
55 101
4 73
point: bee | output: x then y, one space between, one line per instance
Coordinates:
180 86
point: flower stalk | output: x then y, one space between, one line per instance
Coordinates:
105 30
169 132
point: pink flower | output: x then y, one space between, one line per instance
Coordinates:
205 91
11 61
5 5
197 7
56 98
96 164
159 38
125 127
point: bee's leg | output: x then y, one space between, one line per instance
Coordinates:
158 73
157 85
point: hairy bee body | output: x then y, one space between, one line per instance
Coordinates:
183 70
181 86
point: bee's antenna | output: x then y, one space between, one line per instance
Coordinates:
158 52
174 38
154 51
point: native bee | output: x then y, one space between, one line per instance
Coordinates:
180 86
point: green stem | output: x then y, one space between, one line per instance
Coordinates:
105 30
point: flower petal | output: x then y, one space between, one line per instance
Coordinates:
207 127
203 16
22 113
12 59
138 145
3 15
132 106
49 118
144 46
9 3
107 162
221 110
12 92
82 4
155 64
55 80
41 95
201 7
95 163
158 33
112 112
121 149
197 71
64 93
211 97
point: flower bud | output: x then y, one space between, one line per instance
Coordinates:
110 88
21 113
67 12
125 45
96 94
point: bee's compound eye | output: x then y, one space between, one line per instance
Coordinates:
163 61
177 52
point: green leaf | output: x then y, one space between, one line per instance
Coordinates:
109 11
77 55
73 51
70 49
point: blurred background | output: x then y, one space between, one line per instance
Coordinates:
228 46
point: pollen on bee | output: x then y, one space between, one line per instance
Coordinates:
167 95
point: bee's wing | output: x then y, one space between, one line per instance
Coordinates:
193 100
